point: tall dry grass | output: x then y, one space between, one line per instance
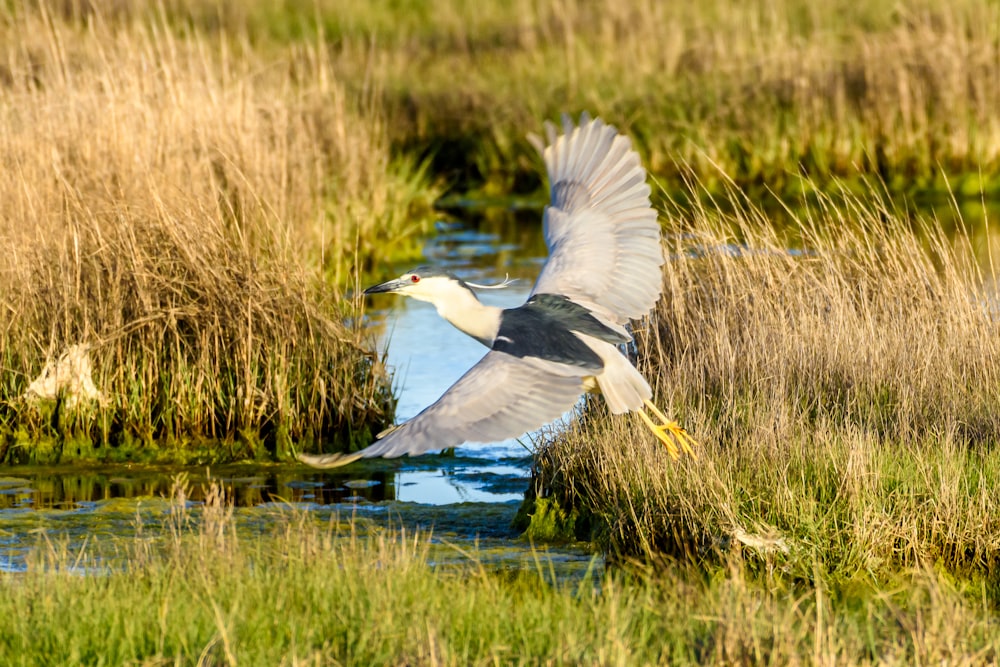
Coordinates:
844 382
172 201
767 90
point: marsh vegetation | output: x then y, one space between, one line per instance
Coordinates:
194 187
761 91
189 210
846 394
192 587
183 174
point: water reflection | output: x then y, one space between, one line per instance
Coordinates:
429 355
244 486
437 481
462 484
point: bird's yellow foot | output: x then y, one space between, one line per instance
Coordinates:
669 432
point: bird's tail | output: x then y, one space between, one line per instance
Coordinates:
623 386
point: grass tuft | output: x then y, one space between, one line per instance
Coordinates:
842 380
172 202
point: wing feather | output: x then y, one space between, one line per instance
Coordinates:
602 233
501 397
604 254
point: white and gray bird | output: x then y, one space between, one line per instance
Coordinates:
603 269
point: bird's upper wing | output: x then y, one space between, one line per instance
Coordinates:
602 233
501 397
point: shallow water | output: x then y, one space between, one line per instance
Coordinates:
469 495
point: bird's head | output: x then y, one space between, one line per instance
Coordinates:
426 283
423 283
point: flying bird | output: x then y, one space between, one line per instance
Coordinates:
603 269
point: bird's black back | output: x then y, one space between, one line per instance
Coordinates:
544 326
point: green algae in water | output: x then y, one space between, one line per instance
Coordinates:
548 522
101 511
473 535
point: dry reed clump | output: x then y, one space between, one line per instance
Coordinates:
846 395
171 202
871 320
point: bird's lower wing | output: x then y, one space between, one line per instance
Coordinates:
328 460
500 397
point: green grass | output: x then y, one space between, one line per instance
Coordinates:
768 91
297 591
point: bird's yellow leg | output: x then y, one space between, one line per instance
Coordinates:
660 433
676 430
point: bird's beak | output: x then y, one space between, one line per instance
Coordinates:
388 286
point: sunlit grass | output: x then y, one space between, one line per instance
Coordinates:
195 589
766 90
842 380
175 202
904 91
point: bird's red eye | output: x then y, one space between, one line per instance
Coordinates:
415 278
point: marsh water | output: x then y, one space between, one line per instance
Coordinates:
471 494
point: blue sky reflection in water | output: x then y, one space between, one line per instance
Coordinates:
428 355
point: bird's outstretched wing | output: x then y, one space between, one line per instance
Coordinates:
501 397
602 233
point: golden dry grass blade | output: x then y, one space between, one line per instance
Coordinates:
173 202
